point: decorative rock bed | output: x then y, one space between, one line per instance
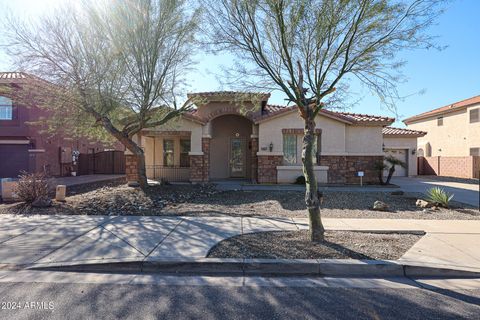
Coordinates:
295 245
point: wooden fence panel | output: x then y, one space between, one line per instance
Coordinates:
105 162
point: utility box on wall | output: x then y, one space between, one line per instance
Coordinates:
8 189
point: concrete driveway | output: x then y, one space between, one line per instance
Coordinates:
463 192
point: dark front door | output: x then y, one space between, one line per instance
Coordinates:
237 158
13 159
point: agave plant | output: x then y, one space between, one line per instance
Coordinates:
439 196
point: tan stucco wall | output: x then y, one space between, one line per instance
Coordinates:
364 140
333 133
205 111
338 138
181 124
404 143
454 138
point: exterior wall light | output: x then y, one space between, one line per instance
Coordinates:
414 152
271 146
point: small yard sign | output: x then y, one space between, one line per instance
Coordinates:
361 174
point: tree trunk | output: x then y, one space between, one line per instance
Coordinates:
390 174
380 177
316 230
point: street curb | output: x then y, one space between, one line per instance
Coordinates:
277 267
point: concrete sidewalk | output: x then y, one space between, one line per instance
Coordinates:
451 244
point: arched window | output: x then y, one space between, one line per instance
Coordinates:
428 150
6 108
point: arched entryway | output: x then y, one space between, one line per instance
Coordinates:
231 153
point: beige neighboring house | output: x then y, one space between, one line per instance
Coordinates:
452 130
451 146
239 135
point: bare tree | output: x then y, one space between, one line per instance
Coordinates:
310 48
119 64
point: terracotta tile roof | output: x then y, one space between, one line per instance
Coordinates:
445 109
21 77
392 131
359 117
206 94
192 115
272 108
14 75
352 118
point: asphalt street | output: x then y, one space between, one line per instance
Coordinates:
222 301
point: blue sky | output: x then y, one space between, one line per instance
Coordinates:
446 76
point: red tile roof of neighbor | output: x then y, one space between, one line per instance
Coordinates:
445 109
401 132
13 75
21 77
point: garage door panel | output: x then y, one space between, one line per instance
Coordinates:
13 159
401 154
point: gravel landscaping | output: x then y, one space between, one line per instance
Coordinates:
295 245
206 200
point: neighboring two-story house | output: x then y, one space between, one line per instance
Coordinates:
26 147
453 134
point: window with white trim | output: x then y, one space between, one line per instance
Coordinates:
168 153
293 148
290 149
184 150
6 108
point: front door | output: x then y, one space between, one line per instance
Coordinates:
237 158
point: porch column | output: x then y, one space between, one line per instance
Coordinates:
206 158
254 150
131 169
200 163
131 164
267 166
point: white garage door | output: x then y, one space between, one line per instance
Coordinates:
400 154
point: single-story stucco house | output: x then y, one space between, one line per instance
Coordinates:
239 135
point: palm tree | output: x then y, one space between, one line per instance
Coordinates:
390 165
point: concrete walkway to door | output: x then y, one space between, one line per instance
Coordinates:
463 192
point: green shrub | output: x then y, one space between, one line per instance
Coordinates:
439 196
300 180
